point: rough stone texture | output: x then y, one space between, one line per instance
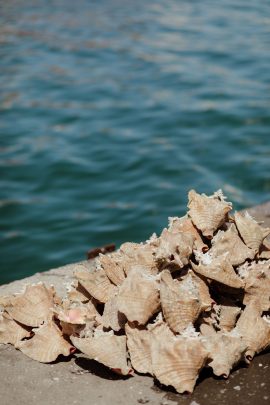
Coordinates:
79 380
60 278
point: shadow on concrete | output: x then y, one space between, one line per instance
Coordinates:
98 369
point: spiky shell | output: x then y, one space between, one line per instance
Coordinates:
207 213
225 351
254 329
96 283
251 232
203 290
33 307
221 270
229 242
138 256
257 285
227 317
112 318
113 265
139 341
178 361
173 249
46 344
185 225
11 331
180 303
138 297
105 348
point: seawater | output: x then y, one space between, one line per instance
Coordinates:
112 110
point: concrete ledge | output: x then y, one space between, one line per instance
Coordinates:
78 380
59 277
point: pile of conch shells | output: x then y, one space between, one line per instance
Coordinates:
196 296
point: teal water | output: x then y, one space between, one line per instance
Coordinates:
110 111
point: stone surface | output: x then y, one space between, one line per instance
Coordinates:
79 380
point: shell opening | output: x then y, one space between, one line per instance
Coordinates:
249 356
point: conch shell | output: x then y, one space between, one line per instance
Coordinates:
203 290
225 351
185 225
257 283
46 345
96 283
76 293
106 348
208 321
220 269
178 361
160 329
113 266
179 301
73 317
76 314
112 318
173 249
254 329
229 242
138 297
227 317
11 331
138 256
208 213
33 307
139 341
251 232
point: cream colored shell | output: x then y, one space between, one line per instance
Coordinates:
185 225
227 317
251 232
96 284
139 341
207 213
11 331
173 249
113 265
46 344
225 352
254 329
229 242
112 318
178 361
33 307
256 277
138 256
105 348
179 301
221 270
138 297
